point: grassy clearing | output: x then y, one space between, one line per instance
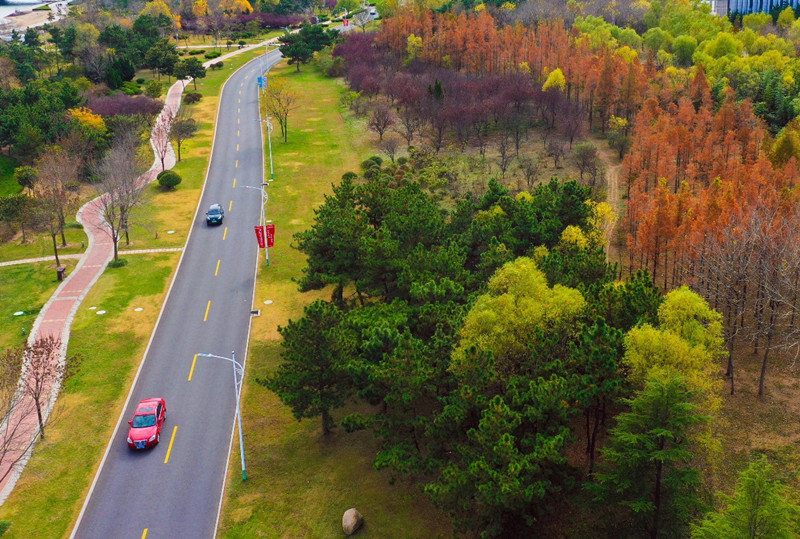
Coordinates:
298 483
8 185
48 497
25 288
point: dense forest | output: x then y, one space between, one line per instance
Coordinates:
511 369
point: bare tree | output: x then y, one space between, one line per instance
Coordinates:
410 123
161 134
531 167
44 369
380 120
183 128
586 158
280 101
361 19
56 170
504 156
15 411
389 146
119 187
555 149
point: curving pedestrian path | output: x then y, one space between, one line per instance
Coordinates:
19 432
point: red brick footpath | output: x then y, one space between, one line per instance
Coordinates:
20 431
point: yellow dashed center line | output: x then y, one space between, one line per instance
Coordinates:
238 111
237 132
238 120
230 206
237 163
191 371
144 533
208 307
234 183
216 272
172 441
225 233
237 147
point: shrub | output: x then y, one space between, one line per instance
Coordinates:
193 52
191 98
119 263
131 88
153 89
168 179
140 81
213 54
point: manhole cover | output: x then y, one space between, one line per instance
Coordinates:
268 302
138 309
170 232
93 307
19 313
101 312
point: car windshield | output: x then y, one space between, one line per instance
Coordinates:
140 421
214 211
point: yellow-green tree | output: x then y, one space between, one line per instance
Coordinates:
505 319
555 80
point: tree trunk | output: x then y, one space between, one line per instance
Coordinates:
767 347
39 416
326 422
55 248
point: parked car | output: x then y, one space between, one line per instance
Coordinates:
215 214
145 427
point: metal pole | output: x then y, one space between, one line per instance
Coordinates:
238 378
238 385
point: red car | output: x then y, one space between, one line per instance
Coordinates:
145 431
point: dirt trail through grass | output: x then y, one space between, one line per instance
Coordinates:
613 168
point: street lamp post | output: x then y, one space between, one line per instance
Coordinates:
238 377
263 221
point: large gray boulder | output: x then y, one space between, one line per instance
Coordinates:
351 521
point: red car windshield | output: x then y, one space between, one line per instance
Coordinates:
140 421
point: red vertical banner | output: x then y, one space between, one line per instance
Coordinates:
345 22
270 235
260 236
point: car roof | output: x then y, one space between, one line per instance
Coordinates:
215 207
148 406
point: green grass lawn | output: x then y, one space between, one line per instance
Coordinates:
24 288
8 185
299 484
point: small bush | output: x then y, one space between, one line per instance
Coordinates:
191 98
217 65
193 52
168 179
131 88
140 81
213 54
153 89
119 263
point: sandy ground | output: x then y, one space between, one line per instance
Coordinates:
26 19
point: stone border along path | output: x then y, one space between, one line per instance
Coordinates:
57 315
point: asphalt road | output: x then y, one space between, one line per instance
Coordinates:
175 489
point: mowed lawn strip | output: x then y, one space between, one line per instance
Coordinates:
25 288
299 483
50 493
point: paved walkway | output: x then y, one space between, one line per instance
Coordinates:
20 431
77 256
